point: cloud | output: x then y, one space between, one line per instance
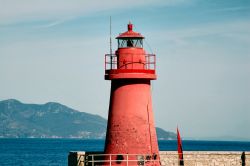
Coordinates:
55 23
13 11
230 9
239 30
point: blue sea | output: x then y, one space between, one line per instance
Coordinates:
53 152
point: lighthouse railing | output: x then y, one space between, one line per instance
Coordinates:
190 159
111 62
128 159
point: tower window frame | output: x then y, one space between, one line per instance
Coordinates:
130 42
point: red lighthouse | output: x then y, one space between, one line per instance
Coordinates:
131 136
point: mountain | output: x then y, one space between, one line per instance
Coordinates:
53 120
165 135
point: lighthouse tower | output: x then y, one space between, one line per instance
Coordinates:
131 136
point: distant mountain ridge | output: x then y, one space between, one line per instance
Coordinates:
53 120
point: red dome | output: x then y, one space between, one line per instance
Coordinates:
130 33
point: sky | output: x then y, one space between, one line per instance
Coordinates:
53 50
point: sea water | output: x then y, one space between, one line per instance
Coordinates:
53 152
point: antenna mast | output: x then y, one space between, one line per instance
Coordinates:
110 42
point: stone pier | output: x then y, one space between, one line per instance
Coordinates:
169 158
205 158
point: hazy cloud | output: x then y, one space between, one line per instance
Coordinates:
12 11
239 30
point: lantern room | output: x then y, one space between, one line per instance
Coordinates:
130 59
130 38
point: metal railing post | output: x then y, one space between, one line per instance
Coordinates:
144 157
105 63
110 159
154 62
149 61
111 61
127 159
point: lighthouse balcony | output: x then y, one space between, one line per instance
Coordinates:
132 66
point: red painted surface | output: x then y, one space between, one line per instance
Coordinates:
130 33
131 127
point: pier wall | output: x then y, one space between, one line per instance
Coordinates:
170 158
205 158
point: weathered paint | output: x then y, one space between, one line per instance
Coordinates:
131 127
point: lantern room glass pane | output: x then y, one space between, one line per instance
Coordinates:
123 43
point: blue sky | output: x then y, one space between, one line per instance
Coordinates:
54 51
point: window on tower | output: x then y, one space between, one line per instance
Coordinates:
130 42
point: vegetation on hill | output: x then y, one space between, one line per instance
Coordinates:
53 120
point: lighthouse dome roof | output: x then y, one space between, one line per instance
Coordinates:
130 33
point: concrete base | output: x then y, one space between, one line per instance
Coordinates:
76 158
